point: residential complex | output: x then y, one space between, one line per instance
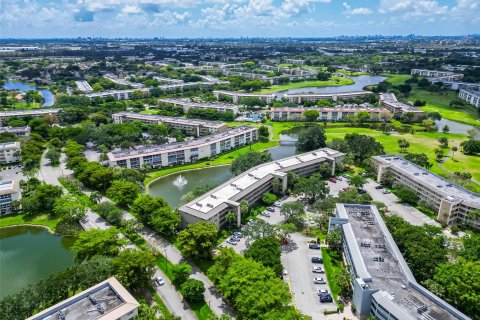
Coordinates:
383 285
238 96
108 300
9 152
19 114
117 94
452 202
390 102
187 105
251 185
471 96
338 113
17 131
314 97
437 76
9 191
84 86
295 61
183 152
190 126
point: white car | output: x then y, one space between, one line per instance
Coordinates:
317 269
159 280
319 281
320 292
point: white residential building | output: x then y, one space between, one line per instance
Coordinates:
324 114
251 185
9 191
436 76
108 300
20 114
390 102
190 126
452 202
471 96
117 94
237 96
84 86
17 131
383 285
187 105
9 152
295 61
168 80
183 152
314 97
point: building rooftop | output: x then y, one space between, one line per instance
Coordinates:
151 150
378 262
15 129
198 104
448 189
9 145
338 108
327 94
243 93
471 91
27 112
208 204
107 300
390 99
8 187
155 117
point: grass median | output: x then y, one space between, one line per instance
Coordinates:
332 264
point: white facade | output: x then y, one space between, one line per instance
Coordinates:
237 96
390 102
251 185
19 114
471 96
9 151
452 202
187 105
9 191
84 86
436 76
324 114
117 94
302 97
183 152
17 131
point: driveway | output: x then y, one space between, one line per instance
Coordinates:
296 259
407 212
51 174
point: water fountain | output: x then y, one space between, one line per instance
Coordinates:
180 182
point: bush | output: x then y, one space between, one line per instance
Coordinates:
454 229
181 272
269 198
192 290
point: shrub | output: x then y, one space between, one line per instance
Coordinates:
192 290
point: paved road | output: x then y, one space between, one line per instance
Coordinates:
296 258
51 174
407 212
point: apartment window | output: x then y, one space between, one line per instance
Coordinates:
213 149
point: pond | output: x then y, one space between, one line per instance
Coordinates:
29 254
454 127
360 83
23 87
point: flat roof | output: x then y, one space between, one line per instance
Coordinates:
9 145
335 109
8 187
449 190
107 300
379 263
15 129
156 117
390 99
355 93
199 104
196 143
27 112
233 93
471 91
208 204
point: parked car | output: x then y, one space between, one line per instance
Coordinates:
271 209
379 187
317 260
386 191
319 281
333 180
314 246
361 191
233 243
318 270
238 234
325 298
339 178
345 176
322 292
265 214
277 204
159 280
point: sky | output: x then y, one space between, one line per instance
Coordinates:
235 18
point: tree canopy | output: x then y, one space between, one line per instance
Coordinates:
249 160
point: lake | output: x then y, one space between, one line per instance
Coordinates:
454 127
23 87
29 254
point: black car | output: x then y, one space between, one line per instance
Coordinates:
314 246
317 260
326 297
379 187
361 191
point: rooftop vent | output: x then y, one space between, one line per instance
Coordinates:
209 205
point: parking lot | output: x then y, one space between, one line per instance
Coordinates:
296 259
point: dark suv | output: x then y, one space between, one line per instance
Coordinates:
317 260
314 246
326 297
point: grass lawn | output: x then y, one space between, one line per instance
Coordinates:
334 81
464 163
396 79
441 104
332 265
223 159
42 220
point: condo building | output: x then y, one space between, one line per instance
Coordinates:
187 105
192 127
436 76
17 131
390 102
9 191
452 202
117 94
383 285
183 152
238 96
9 152
108 300
84 86
338 113
251 185
314 97
20 114
471 96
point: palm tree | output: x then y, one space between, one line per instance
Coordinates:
95 196
230 217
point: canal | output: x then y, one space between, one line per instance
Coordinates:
28 254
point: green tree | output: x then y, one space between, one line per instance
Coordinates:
267 252
362 147
343 278
39 198
198 240
123 192
403 144
293 212
325 169
269 198
134 269
230 217
53 155
443 142
95 196
193 290
109 212
285 230
249 160
419 158
407 195
445 129
181 272
97 242
69 207
311 139
311 115
334 240
285 313
357 181
260 229
164 220
244 207
314 188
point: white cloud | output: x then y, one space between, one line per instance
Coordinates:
170 18
128 9
349 11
